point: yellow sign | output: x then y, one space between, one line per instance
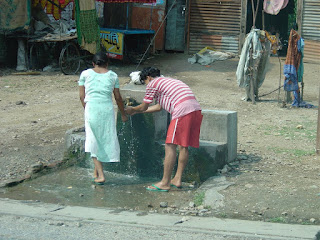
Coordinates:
113 43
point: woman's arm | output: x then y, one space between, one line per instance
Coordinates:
143 108
137 109
82 95
118 98
154 108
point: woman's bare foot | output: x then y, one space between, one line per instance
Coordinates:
100 180
95 173
158 186
176 183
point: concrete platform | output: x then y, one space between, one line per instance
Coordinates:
218 141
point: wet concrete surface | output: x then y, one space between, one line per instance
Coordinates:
74 186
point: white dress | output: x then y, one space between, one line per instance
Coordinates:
101 134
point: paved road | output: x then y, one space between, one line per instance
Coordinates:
36 220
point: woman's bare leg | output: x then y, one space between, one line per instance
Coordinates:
95 172
169 161
98 166
182 163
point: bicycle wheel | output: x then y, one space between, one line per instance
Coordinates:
69 60
38 56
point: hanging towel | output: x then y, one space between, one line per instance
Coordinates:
88 30
292 63
274 6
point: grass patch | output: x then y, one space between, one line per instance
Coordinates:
294 152
222 215
307 132
277 220
208 207
199 198
306 223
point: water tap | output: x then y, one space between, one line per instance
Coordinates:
128 101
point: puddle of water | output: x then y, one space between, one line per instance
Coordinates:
126 181
73 186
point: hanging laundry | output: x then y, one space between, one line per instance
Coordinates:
292 62
253 67
88 30
273 7
293 67
52 7
14 15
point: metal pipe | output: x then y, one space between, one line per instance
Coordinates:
263 26
318 129
151 16
127 18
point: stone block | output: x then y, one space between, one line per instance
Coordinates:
221 126
205 161
136 92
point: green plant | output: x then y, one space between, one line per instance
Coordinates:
277 220
208 207
222 215
306 223
199 198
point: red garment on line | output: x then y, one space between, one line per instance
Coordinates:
273 7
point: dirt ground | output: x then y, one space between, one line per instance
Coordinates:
276 176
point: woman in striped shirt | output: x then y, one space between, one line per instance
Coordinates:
175 97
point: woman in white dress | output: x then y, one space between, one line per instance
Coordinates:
96 86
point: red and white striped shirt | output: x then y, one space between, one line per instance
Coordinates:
171 93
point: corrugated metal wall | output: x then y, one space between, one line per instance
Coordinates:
214 23
141 18
310 30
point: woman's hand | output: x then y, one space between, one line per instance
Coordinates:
129 110
124 118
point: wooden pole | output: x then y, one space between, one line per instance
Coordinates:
251 74
253 15
263 26
318 129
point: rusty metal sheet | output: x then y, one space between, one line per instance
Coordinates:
311 20
141 17
312 51
310 30
214 23
218 42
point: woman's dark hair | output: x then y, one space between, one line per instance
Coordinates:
100 59
149 71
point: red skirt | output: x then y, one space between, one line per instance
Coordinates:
185 131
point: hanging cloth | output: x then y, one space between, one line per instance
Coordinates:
259 58
293 61
15 15
88 30
52 7
273 7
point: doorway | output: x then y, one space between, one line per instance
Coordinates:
175 27
280 24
